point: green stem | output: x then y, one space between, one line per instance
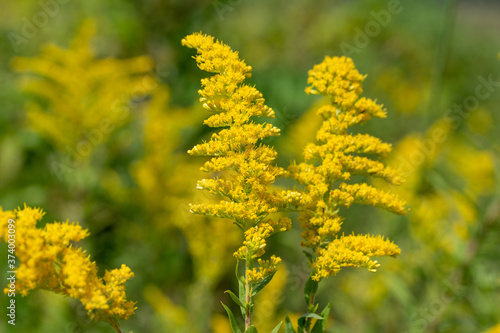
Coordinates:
115 325
310 308
310 290
248 295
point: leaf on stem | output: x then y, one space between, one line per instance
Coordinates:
235 298
259 286
288 325
275 330
310 289
232 320
242 294
309 256
311 315
320 325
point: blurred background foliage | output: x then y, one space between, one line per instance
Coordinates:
131 187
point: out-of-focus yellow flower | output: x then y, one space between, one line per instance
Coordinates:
83 98
406 94
475 167
480 121
165 178
496 328
443 213
220 324
50 261
174 315
329 165
302 131
268 304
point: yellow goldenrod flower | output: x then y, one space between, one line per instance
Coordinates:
329 165
50 261
236 149
352 251
266 268
244 166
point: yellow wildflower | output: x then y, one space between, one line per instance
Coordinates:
352 251
244 166
266 268
331 162
49 261
235 150
84 98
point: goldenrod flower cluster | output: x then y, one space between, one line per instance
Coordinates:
352 251
329 167
50 261
81 97
266 267
246 165
243 170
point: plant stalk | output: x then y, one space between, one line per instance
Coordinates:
114 324
248 296
310 308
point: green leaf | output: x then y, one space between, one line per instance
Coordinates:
288 325
320 325
259 286
235 298
275 330
311 315
236 269
251 329
232 320
309 256
310 288
326 310
301 324
241 293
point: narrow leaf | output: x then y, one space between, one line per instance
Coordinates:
232 320
320 325
311 315
288 325
309 256
326 310
259 286
310 288
301 324
235 298
275 330
236 269
241 293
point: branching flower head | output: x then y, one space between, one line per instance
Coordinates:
50 261
236 151
329 166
